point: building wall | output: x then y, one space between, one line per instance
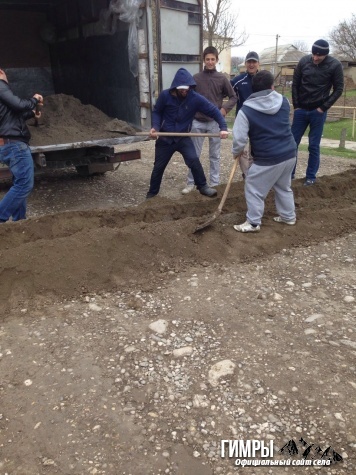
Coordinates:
350 75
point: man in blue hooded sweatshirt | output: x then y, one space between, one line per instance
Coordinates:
174 112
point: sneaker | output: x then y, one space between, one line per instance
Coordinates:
279 219
188 189
309 182
208 191
150 195
247 227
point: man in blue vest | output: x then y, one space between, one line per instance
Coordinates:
264 119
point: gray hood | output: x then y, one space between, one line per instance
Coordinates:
267 101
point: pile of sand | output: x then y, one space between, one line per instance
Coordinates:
65 119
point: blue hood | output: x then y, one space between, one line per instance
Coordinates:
182 78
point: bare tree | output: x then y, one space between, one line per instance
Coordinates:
301 46
235 61
221 26
343 38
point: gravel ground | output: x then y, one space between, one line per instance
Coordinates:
151 378
128 382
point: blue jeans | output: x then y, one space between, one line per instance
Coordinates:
17 156
164 151
315 120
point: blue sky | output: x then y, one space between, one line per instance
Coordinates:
304 20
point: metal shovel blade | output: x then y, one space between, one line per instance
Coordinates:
209 221
222 202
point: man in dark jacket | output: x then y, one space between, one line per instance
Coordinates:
174 112
314 77
242 85
264 119
14 149
215 87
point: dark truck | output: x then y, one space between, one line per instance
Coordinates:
113 54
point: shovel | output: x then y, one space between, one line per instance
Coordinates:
179 134
126 128
36 122
222 202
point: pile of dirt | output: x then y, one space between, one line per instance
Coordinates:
65 120
68 254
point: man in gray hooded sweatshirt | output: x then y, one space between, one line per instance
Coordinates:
264 119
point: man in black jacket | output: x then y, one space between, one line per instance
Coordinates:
314 77
14 149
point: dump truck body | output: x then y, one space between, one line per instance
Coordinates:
115 55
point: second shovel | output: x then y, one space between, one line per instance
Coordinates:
222 202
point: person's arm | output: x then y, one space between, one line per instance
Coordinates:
338 87
240 134
297 75
157 113
8 98
230 93
209 109
28 114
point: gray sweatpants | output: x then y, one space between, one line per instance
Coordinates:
214 149
260 180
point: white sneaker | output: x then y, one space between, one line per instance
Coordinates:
188 189
247 227
279 219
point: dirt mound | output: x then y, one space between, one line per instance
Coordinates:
67 254
65 120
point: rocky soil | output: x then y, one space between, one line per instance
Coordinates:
131 345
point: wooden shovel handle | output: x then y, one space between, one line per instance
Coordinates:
179 134
37 110
228 184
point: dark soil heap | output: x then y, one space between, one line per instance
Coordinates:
65 120
71 253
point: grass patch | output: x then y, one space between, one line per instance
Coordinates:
332 130
332 152
287 91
